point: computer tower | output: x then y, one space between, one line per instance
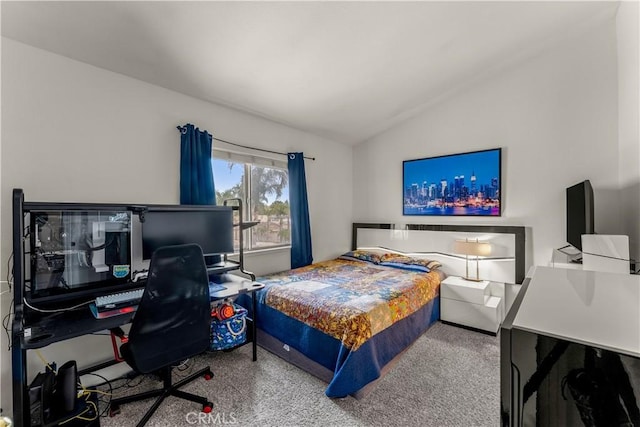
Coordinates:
66 387
41 402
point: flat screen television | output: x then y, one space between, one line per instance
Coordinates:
580 218
465 184
210 227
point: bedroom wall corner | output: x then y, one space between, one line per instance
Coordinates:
553 114
627 22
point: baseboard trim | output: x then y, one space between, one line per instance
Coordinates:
470 328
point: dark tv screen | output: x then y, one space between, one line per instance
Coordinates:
466 184
211 228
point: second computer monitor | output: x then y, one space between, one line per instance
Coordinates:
210 227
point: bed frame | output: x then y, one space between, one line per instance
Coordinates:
293 356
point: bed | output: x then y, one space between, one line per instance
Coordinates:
348 320
351 315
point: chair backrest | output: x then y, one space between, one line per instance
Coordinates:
173 319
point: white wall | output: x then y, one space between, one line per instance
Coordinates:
73 132
76 133
5 297
628 133
555 115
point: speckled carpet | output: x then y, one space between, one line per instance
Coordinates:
449 377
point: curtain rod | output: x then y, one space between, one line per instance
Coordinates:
250 148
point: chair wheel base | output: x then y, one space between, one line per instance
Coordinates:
114 410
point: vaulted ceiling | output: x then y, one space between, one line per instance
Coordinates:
342 70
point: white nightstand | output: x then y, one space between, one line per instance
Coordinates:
469 303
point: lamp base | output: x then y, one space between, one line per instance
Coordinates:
472 279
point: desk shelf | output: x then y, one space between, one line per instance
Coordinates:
67 325
223 267
247 224
234 288
227 264
85 407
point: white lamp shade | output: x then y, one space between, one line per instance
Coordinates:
472 248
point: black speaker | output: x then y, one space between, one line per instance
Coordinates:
66 386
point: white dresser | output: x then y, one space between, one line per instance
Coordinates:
570 350
587 307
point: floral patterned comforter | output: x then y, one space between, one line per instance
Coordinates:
350 300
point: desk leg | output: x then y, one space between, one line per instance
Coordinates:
254 329
19 381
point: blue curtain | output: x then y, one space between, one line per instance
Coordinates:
196 174
299 205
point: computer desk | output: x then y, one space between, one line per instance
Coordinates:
33 330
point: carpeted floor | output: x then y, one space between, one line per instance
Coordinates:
449 377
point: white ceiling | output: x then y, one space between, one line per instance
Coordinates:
342 70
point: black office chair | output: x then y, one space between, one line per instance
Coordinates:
172 324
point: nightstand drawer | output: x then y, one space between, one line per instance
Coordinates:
460 289
480 316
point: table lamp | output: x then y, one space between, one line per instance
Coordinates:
472 248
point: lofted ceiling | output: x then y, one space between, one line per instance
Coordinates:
342 70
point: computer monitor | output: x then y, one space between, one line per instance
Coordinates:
580 219
211 227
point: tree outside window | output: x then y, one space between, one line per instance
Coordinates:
268 201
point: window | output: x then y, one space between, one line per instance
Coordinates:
263 186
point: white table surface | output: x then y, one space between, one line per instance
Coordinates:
592 308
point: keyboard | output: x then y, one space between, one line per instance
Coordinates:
127 298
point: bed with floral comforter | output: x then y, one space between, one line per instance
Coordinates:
353 314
